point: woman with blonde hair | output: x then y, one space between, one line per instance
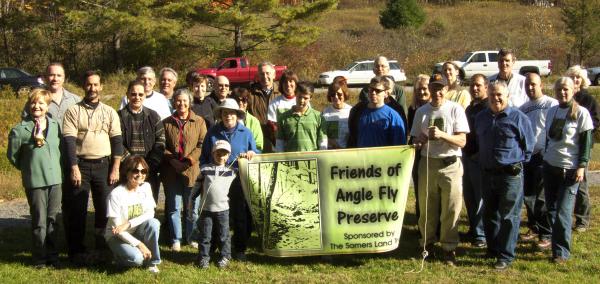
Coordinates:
569 140
584 99
34 149
455 93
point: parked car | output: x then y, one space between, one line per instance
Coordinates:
360 73
238 70
486 63
20 81
594 75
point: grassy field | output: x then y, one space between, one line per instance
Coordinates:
392 267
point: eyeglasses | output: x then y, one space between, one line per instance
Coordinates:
224 85
377 91
137 95
139 171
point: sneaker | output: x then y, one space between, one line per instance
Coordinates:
544 244
204 263
223 262
239 256
176 246
580 228
153 269
450 258
501 265
530 235
194 245
479 244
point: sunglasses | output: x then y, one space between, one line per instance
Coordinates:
377 91
242 100
136 94
139 171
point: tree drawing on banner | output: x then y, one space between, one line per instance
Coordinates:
286 207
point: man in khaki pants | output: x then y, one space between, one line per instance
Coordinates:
439 130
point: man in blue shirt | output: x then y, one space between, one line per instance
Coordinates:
506 141
378 124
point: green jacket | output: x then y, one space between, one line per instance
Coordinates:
39 166
252 123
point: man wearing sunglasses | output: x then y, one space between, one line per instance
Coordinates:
143 133
377 124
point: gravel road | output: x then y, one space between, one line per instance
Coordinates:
15 213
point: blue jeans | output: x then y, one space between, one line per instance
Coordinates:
177 197
560 188
208 222
128 255
502 202
582 203
473 197
534 198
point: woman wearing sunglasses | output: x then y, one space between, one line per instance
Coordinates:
132 231
337 113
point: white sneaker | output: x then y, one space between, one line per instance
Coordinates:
153 269
194 244
176 246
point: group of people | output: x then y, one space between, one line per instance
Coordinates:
189 140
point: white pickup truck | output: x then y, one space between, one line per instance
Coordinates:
486 63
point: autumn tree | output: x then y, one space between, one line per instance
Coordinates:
254 24
582 18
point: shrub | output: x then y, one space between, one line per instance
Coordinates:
401 13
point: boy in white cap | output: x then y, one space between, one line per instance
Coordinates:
214 210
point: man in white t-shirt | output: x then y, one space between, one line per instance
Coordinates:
154 100
439 130
515 82
533 186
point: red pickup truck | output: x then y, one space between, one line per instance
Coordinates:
237 69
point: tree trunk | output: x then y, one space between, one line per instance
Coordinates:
237 44
118 61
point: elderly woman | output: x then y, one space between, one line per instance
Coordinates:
203 104
242 144
569 139
455 93
184 133
337 113
34 149
132 231
584 99
240 95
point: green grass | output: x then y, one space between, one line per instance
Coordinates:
393 267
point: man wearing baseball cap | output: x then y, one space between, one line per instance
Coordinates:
439 131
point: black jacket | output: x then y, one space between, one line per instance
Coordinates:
587 101
154 135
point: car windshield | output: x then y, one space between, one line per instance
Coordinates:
394 66
349 66
466 57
